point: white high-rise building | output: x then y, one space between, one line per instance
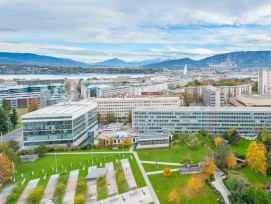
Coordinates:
264 83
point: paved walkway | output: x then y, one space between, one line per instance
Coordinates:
219 185
53 153
130 179
145 176
91 196
71 187
111 180
30 186
137 196
5 193
162 163
159 172
50 189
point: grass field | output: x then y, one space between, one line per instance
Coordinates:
169 155
152 167
252 176
77 160
242 147
163 186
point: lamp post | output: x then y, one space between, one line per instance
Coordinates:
56 162
255 191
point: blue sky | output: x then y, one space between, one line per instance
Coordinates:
96 30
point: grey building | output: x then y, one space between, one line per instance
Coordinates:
193 119
213 96
61 124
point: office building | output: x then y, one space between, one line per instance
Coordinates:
121 106
193 119
33 82
61 124
251 101
213 96
264 82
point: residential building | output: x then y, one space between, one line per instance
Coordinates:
234 91
122 105
213 96
61 124
264 82
214 120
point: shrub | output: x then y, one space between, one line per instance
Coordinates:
166 172
81 185
79 199
34 195
60 189
41 150
15 193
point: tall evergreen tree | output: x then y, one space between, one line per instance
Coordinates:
14 118
5 105
4 120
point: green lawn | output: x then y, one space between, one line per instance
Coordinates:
163 186
153 167
242 147
169 155
252 176
77 160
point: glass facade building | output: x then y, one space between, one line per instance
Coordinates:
72 123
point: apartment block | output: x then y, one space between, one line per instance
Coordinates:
213 96
264 83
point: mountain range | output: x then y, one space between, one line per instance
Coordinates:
232 59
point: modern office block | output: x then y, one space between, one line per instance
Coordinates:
193 119
61 124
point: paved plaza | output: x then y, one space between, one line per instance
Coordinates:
128 174
50 189
30 186
111 180
71 187
6 191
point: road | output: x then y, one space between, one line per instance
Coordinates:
14 135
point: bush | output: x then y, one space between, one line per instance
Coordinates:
41 150
15 193
79 199
81 185
60 189
34 195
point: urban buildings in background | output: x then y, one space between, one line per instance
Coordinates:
122 105
264 83
193 119
72 123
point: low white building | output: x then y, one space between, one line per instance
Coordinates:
61 124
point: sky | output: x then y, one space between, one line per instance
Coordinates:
97 30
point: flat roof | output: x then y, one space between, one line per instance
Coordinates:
72 109
200 108
256 96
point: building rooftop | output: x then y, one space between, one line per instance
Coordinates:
62 109
135 97
200 108
256 96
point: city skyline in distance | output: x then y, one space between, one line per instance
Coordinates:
134 31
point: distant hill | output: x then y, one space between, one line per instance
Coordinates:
232 59
115 62
39 60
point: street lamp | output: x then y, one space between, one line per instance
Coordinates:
56 162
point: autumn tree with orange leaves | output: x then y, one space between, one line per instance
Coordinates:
208 164
33 105
166 172
173 196
218 141
195 183
231 160
255 157
6 167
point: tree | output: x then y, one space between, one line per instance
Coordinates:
262 196
231 160
129 117
4 121
195 143
68 86
99 117
173 196
111 142
110 118
264 134
233 137
186 160
33 105
203 133
256 158
195 183
208 164
13 144
166 172
14 118
41 150
175 148
5 105
238 191
6 168
218 141
267 144
126 142
5 149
